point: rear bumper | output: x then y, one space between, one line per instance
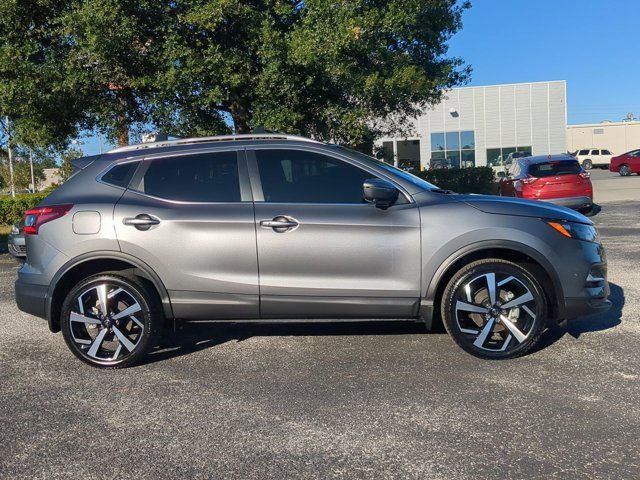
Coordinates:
571 202
31 298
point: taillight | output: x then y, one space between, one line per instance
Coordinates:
36 217
584 175
529 180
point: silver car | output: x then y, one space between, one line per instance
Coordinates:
274 227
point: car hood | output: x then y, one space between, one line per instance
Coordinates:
522 208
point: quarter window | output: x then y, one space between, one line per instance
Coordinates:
120 175
207 177
296 176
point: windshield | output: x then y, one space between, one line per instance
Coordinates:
417 181
551 169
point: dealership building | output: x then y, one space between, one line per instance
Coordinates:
478 125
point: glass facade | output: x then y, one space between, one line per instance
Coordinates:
456 149
497 156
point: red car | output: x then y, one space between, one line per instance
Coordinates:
557 179
626 164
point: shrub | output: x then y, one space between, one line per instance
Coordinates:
12 209
462 180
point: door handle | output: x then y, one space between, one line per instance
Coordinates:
141 222
280 224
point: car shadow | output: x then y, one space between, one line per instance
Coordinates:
592 323
193 337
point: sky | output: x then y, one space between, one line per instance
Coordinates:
592 44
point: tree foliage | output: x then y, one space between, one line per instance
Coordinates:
333 69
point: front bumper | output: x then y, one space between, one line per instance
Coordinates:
594 296
31 298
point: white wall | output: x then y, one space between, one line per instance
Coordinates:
617 137
515 115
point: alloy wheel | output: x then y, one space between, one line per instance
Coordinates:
624 170
495 311
106 323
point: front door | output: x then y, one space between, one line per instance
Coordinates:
190 218
322 251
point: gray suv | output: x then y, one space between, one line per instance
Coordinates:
275 227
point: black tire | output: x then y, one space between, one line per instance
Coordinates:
624 170
586 164
141 329
474 331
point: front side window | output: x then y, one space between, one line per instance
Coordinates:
296 176
206 177
606 152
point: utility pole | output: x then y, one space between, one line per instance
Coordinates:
11 180
33 182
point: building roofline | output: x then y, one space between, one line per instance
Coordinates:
603 124
507 84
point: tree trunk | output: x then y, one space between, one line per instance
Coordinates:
240 116
122 133
122 129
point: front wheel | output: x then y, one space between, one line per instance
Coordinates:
624 171
110 321
494 309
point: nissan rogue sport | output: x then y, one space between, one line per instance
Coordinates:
273 227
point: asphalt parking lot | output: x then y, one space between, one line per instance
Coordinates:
357 400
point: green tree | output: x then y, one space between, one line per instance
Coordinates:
337 70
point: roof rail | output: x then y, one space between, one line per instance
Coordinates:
218 138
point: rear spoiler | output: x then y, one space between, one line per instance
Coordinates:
83 162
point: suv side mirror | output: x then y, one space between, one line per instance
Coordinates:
380 192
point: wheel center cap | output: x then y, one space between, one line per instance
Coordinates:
494 312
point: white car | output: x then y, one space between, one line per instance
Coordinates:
590 158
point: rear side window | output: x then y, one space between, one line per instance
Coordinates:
295 176
595 152
207 177
583 152
550 169
120 175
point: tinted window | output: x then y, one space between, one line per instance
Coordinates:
120 175
294 176
437 141
606 152
595 152
550 169
208 177
583 152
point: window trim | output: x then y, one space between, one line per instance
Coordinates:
111 165
256 183
245 189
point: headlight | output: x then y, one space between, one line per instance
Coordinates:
579 231
15 230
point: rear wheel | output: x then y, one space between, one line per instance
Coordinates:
586 164
624 170
494 309
110 321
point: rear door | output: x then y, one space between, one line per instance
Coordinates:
190 218
322 251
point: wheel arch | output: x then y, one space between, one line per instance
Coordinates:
96 262
504 249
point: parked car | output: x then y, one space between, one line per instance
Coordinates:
590 158
627 163
503 164
16 242
557 179
280 227
439 164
